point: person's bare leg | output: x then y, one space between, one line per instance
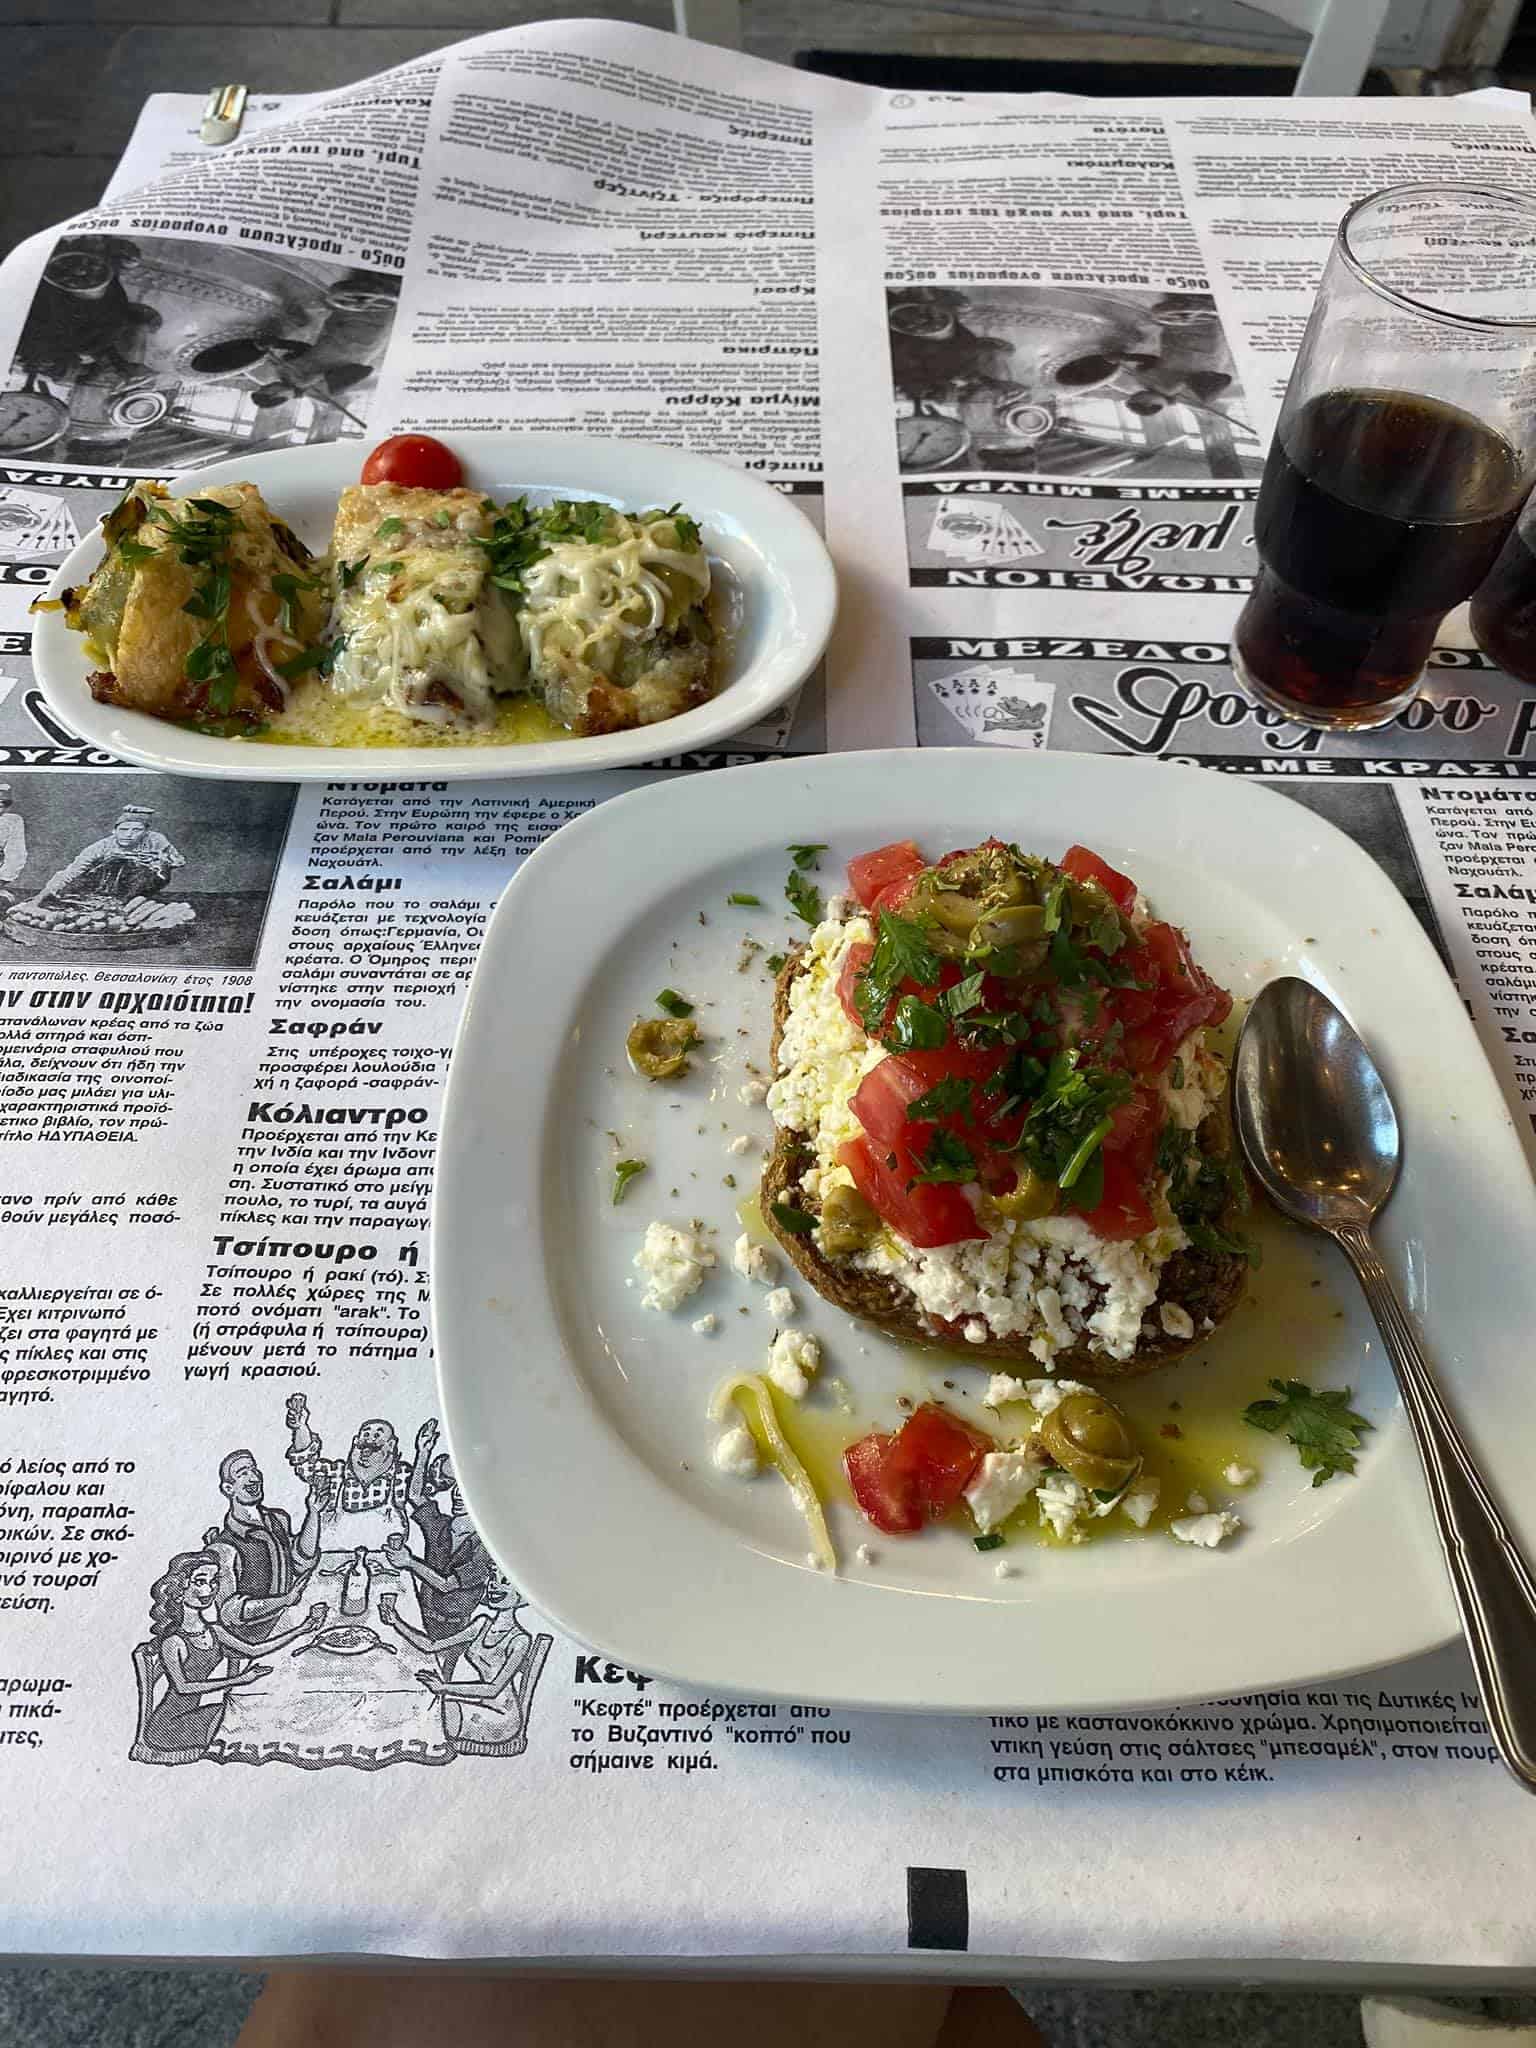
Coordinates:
377 2009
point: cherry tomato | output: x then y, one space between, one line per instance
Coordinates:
414 459
918 1474
1084 866
871 875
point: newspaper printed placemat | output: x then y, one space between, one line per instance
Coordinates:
1021 358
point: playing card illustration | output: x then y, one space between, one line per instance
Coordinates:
33 523
997 705
974 530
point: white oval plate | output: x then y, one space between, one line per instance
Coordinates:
784 588
576 1417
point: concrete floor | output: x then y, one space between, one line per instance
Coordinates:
75 75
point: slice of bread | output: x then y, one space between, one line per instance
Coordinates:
1207 1285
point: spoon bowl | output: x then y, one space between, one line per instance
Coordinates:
1313 1113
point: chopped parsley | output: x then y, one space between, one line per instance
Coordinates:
582 519
443 517
791 1217
688 535
624 1171
902 953
806 856
322 658
515 542
674 1004
743 897
804 896
775 962
944 1158
916 1026
964 996
1322 1426
948 1097
347 573
287 587
1070 1119
200 537
388 528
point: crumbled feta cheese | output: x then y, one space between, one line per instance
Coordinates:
1205 1080
1206 1531
1003 1481
865 1555
752 1092
1196 1504
1062 1501
1002 1388
976 1331
1239 1475
780 1304
740 1146
1139 1502
706 1326
823 1054
753 1261
1052 1281
817 1564
1046 1396
735 1452
794 1359
1003 1570
1176 1321
673 1262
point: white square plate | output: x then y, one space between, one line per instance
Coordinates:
576 1417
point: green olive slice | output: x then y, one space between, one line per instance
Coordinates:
1033 1197
658 1047
1087 1436
848 1223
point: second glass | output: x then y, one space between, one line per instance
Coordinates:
1405 447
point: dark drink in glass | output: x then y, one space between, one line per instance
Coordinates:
1378 512
1504 610
1405 447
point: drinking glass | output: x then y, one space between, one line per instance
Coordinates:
1405 447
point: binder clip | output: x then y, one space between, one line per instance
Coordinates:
222 115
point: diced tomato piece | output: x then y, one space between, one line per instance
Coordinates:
926 1216
1083 865
1182 999
417 459
855 960
917 1475
870 875
1124 1210
892 1507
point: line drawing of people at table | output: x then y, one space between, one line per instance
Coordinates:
365 1492
227 1677
264 1565
188 1644
486 1715
452 1573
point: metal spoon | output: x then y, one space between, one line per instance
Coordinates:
1320 1133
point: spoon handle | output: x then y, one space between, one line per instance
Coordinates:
1494 1587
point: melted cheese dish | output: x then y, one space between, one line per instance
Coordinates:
439 617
